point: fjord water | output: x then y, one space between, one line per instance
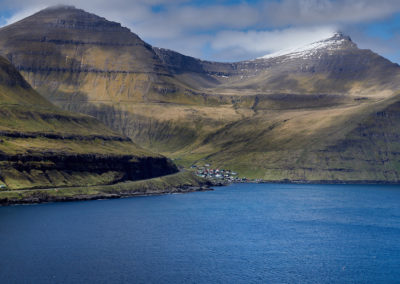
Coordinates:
244 233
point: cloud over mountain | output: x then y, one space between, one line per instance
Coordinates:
229 30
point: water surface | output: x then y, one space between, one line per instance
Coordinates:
245 233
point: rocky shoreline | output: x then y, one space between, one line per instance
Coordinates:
37 199
183 182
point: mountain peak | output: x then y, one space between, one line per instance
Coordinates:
60 7
340 36
68 16
67 25
62 11
69 12
64 23
338 41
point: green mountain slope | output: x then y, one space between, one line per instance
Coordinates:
310 114
44 146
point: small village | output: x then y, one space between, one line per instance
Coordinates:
218 175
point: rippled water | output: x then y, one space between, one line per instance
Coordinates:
246 233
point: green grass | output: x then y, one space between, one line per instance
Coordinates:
179 182
37 139
350 143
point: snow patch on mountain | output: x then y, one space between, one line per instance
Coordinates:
333 43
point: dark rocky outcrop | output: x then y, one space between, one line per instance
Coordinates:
58 169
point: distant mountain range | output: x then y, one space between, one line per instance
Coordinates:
328 111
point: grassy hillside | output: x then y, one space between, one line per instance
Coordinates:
181 182
353 143
287 117
44 146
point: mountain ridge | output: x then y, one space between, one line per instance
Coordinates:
337 41
273 119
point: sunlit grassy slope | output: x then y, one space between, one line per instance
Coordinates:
180 182
42 145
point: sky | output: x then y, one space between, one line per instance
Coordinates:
233 30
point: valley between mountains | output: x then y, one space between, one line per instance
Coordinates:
326 112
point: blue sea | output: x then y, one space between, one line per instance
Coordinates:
242 233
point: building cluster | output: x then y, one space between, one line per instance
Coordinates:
218 174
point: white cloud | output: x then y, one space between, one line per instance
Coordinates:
263 42
226 32
183 17
328 11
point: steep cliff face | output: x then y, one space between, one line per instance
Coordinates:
283 116
44 146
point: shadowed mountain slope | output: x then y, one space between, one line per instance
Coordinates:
326 111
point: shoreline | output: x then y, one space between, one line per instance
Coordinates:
178 183
330 182
182 182
39 200
322 182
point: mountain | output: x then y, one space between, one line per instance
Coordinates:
337 42
323 112
44 146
